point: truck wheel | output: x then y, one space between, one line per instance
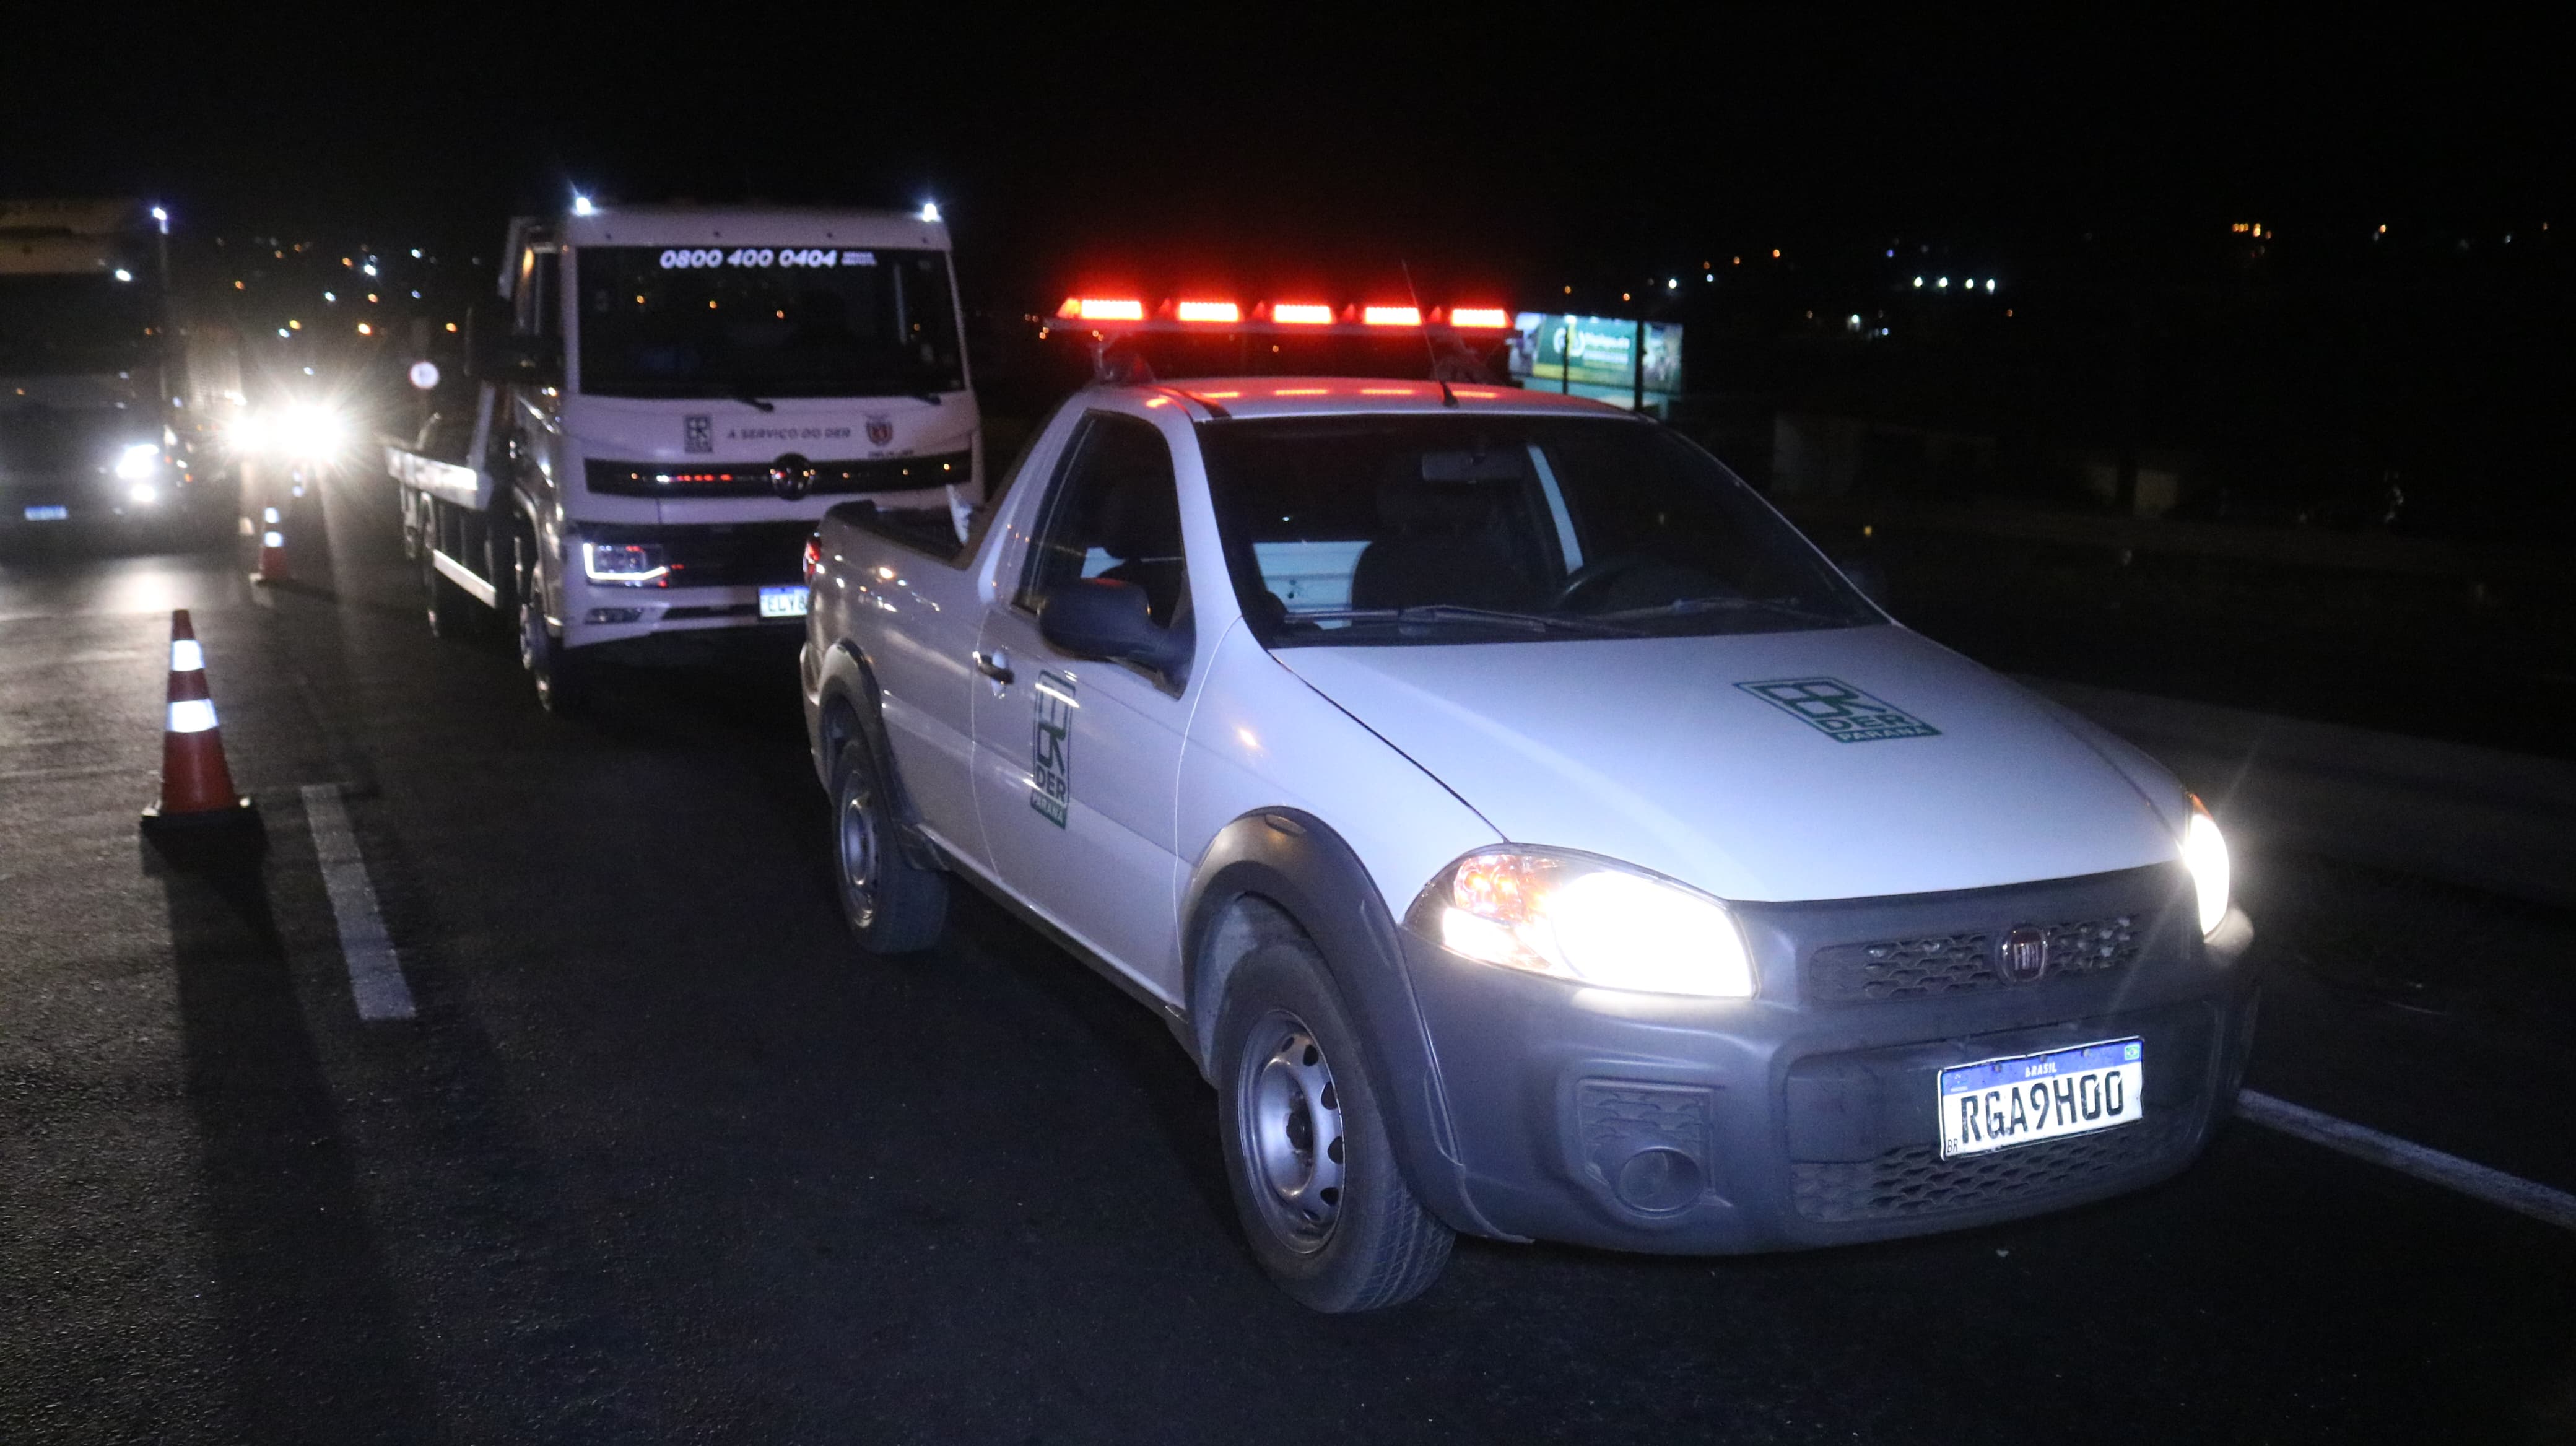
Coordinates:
561 679
1314 1175
894 905
450 610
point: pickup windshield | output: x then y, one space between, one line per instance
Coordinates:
763 322
1440 529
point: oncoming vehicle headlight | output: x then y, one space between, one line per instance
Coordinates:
310 431
624 564
2204 852
139 462
1587 920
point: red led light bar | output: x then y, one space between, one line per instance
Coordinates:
1217 311
1390 316
1479 316
1301 313
1101 308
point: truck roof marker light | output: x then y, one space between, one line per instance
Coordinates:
581 205
1391 316
1301 313
930 212
1493 316
1101 308
1217 311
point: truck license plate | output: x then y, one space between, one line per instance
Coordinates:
785 602
48 514
1997 1103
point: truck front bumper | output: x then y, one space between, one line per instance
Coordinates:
717 578
1688 1125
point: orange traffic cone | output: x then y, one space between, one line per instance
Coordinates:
196 785
272 549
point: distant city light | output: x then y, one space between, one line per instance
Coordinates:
415 295
124 275
365 330
281 331
327 296
1990 286
1942 285
292 325
1918 281
1674 283
369 268
415 253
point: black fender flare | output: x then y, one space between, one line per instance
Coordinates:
847 687
1296 863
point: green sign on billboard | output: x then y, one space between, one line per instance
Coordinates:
1596 351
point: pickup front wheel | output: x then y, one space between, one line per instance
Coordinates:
1315 1178
894 905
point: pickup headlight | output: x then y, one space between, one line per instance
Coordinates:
1584 919
139 462
2204 852
625 564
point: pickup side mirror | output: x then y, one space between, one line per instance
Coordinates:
1867 576
1099 618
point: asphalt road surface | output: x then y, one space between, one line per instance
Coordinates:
658 1158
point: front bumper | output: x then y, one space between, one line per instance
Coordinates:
1661 1123
717 574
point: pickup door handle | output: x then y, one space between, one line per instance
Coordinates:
996 666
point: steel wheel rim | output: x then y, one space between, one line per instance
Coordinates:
858 837
1293 1137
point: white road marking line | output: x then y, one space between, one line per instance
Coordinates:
375 975
2538 1201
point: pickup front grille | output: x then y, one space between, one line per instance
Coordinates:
1913 1180
751 479
1962 963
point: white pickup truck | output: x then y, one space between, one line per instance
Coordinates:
669 397
1525 830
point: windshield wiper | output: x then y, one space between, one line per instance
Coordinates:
1685 606
1461 613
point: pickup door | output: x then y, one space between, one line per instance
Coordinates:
1076 760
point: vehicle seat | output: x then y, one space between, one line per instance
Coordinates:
1139 525
1449 543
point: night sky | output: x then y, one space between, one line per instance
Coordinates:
1586 140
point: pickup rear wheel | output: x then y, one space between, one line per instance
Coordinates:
894 905
1315 1178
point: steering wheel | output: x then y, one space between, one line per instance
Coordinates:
1589 579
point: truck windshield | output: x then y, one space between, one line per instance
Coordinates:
765 322
1439 529
53 324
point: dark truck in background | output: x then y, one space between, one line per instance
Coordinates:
102 415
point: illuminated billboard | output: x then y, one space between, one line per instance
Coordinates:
1597 355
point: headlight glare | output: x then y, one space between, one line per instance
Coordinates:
1587 920
2204 852
139 462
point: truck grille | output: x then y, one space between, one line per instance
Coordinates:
1913 1180
1939 964
751 479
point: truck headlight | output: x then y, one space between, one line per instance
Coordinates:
140 462
2204 852
1584 919
625 564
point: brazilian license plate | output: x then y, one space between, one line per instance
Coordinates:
1998 1103
48 514
785 602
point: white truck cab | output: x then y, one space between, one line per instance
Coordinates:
1526 831
670 397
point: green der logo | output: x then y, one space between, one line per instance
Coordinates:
1839 711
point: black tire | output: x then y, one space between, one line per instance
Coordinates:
1340 1233
561 679
894 906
